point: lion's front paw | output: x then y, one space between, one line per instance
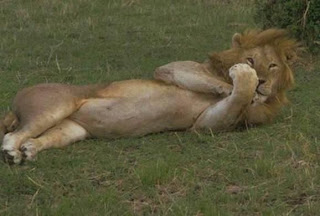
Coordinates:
165 74
243 72
245 81
244 75
29 149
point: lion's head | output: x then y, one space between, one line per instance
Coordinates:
271 53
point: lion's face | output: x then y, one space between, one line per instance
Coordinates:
269 67
269 52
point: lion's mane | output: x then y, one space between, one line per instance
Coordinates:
286 49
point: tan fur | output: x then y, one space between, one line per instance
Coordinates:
218 94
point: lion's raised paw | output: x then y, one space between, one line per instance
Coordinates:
241 69
243 73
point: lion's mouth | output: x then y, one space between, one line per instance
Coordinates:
263 90
259 98
260 93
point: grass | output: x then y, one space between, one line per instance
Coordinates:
268 170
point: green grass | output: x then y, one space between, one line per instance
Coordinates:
268 170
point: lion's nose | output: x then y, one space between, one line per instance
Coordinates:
261 81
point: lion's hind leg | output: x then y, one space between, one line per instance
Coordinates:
61 135
38 108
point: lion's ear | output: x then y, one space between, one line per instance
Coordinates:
236 40
293 51
291 56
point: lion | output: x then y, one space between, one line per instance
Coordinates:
244 85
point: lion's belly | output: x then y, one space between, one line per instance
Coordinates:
141 107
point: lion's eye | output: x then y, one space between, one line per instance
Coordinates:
250 61
272 66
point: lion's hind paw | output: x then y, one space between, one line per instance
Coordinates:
11 156
29 150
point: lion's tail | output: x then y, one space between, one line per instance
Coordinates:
9 123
